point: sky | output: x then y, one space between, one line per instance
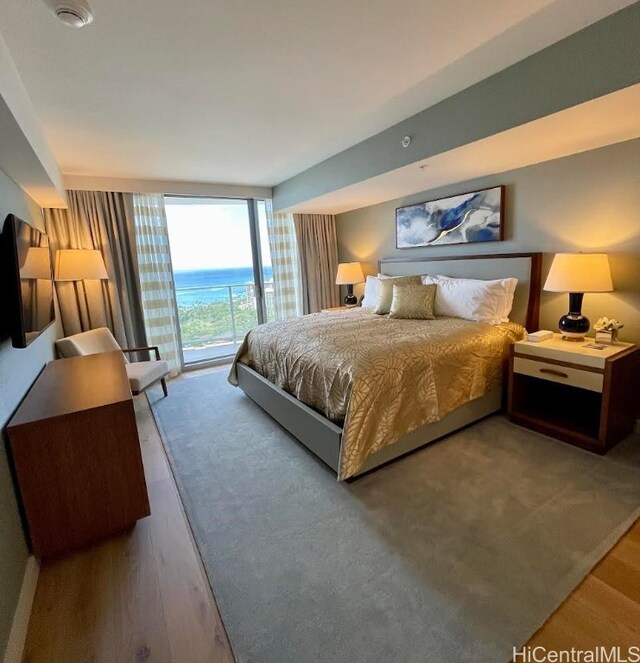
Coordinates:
212 235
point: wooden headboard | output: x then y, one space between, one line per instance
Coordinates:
526 267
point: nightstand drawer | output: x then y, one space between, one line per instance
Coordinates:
574 377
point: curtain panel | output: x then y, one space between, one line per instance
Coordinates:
156 278
100 220
318 254
285 264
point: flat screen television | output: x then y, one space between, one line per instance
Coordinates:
27 281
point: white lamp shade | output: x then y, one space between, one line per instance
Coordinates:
349 273
79 265
579 272
37 264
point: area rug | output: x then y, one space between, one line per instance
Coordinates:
458 552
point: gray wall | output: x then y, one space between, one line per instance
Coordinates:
18 370
585 202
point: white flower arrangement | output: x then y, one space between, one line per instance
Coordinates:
608 324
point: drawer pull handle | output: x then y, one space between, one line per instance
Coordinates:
551 371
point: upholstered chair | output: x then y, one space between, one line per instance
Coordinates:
141 374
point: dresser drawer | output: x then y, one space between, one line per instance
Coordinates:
574 377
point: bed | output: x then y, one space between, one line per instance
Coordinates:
360 390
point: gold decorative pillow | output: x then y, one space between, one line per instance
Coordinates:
413 302
385 296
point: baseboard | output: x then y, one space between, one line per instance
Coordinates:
18 634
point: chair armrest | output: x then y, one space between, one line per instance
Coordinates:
145 349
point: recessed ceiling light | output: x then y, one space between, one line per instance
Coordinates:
74 13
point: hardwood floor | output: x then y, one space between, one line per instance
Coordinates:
604 610
141 596
144 596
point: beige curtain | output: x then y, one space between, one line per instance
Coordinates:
156 278
285 263
318 251
100 220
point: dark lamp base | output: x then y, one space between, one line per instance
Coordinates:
574 326
350 300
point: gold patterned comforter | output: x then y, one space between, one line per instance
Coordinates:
378 377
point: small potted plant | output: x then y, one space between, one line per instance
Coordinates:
607 330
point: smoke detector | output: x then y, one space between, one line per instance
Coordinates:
74 13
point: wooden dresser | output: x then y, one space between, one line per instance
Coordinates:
76 453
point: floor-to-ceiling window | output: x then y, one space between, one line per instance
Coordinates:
222 272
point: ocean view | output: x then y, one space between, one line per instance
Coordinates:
196 286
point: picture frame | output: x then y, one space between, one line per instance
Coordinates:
465 218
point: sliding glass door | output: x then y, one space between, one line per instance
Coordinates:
265 261
222 272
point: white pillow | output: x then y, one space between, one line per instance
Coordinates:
372 290
502 289
474 299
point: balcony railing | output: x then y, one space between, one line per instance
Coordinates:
215 319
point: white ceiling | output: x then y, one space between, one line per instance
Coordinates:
604 121
253 92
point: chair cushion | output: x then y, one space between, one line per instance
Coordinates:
90 342
142 373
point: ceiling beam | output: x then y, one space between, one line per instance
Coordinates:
25 155
175 187
593 62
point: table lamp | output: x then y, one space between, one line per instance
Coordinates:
577 273
80 265
348 274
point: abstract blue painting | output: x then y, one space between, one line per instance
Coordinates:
468 217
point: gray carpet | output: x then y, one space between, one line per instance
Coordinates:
455 553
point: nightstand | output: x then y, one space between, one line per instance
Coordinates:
337 308
583 396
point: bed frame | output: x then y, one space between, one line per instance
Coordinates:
323 437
